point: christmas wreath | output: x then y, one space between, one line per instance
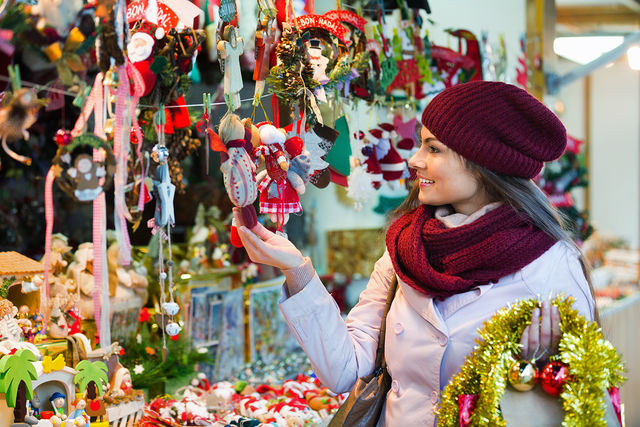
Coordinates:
593 366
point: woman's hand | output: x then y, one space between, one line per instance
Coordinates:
265 247
540 339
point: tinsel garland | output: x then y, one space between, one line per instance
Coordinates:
594 367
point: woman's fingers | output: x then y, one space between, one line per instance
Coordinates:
534 332
555 326
545 325
253 245
262 232
524 344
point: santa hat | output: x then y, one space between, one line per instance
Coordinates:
388 130
406 147
392 165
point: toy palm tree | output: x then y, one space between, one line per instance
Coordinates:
16 374
90 377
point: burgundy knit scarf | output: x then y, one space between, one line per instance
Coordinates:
441 262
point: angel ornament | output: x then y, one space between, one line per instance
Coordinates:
165 189
230 49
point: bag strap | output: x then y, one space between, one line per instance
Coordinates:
380 361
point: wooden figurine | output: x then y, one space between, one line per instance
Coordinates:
230 49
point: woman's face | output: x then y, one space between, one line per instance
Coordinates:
444 178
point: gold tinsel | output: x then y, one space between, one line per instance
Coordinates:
594 366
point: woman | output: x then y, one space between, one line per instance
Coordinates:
474 235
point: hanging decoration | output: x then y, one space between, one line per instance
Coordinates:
79 173
238 168
229 50
586 366
18 113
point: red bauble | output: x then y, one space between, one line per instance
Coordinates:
294 146
62 137
553 377
235 237
133 137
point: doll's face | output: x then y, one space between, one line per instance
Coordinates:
444 178
58 402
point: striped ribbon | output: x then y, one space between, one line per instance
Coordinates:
121 152
48 214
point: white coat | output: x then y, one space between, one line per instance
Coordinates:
426 340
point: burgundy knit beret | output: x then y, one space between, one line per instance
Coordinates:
496 125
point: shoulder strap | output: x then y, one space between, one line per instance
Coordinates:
380 362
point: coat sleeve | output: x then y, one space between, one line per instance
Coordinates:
340 351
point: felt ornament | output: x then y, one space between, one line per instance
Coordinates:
264 43
16 115
392 165
237 166
319 143
139 51
279 194
457 67
230 49
81 174
339 155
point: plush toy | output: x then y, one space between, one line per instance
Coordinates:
278 195
392 165
16 116
238 169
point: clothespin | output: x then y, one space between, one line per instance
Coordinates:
14 77
206 105
160 120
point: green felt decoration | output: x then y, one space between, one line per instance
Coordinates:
387 204
339 155
389 72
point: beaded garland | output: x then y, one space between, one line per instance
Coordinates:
594 366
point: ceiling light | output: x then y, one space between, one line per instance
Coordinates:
633 57
585 49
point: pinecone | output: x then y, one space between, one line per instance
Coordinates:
6 308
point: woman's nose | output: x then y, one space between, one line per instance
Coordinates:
416 161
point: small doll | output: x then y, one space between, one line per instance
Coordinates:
57 400
237 166
16 116
279 190
79 415
230 50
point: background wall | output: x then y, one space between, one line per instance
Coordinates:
614 188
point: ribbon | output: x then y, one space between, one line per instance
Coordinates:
48 214
99 250
94 103
276 110
138 90
614 394
156 229
121 152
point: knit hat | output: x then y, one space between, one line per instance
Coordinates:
496 125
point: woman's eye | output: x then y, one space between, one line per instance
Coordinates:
432 149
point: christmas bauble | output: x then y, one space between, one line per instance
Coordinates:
553 377
62 137
133 137
171 308
173 329
523 375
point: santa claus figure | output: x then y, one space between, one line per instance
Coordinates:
391 164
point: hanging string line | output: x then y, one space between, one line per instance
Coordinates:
40 88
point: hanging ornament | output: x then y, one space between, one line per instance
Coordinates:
80 173
523 375
63 137
16 116
173 329
228 10
553 377
230 49
171 308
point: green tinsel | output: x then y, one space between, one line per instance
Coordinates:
594 366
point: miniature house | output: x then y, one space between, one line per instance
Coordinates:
24 269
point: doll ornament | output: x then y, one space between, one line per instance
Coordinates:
237 167
16 116
287 172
